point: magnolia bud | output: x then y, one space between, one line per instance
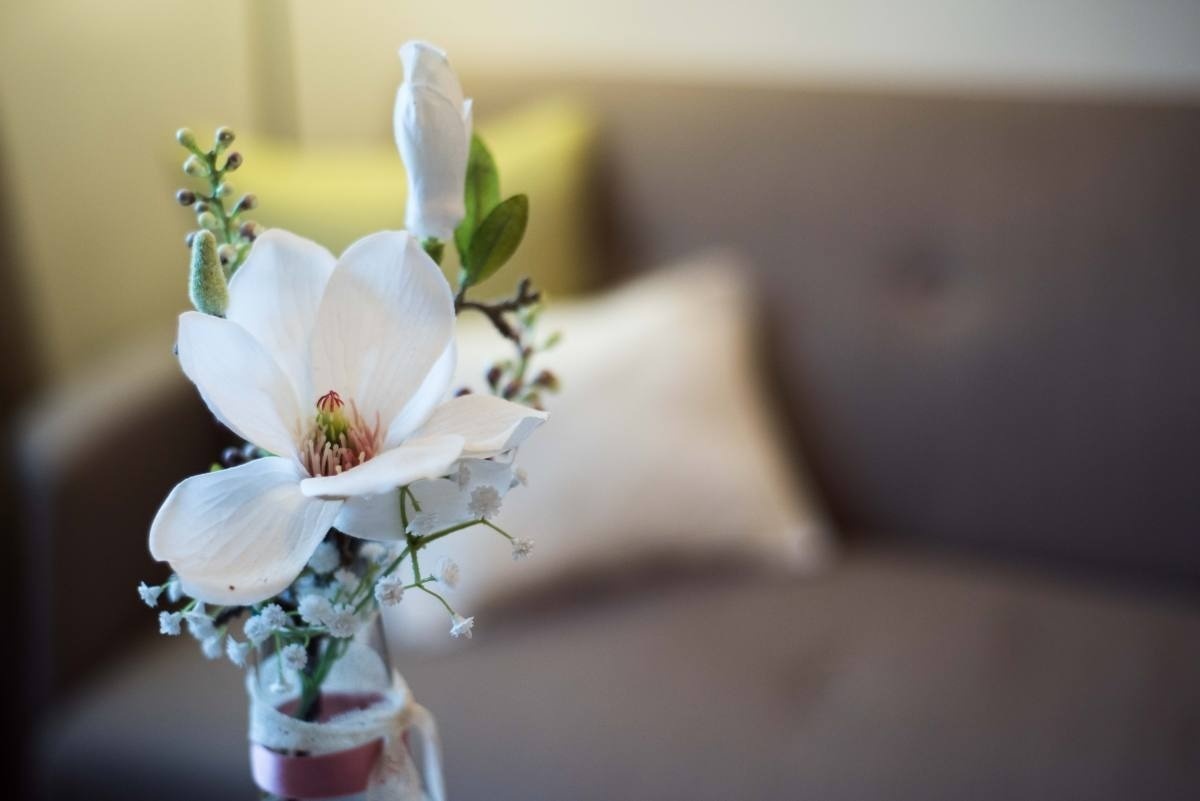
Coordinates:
185 197
547 380
224 136
185 137
207 288
206 219
247 203
233 161
195 167
432 125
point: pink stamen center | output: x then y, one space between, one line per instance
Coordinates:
328 450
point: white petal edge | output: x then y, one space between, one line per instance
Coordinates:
240 382
490 425
421 405
241 535
275 296
385 320
372 517
414 460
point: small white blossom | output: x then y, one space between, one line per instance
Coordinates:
447 572
423 523
345 577
485 502
174 589
373 552
315 609
463 476
461 626
274 616
325 559
199 624
294 656
211 646
389 590
149 595
521 548
342 621
168 623
257 629
237 651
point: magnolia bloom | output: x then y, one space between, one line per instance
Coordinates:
433 133
338 369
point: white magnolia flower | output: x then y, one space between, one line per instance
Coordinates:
168 623
340 369
521 548
237 651
461 626
294 656
447 572
484 503
257 629
342 621
432 124
389 590
325 558
149 595
315 609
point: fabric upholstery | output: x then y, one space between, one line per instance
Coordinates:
892 677
982 311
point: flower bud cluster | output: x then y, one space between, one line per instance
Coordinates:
217 213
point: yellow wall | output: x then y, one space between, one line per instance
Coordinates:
91 93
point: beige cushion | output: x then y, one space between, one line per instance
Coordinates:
658 448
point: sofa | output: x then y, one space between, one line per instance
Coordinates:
979 327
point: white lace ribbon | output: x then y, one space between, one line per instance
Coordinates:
395 776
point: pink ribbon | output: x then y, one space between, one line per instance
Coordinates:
322 776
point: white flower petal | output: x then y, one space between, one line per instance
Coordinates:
240 382
372 517
241 535
432 126
421 405
490 425
415 459
386 319
275 296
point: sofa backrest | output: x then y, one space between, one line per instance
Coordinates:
983 314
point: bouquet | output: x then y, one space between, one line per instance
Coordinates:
336 373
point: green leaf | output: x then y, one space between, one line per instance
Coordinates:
496 239
481 194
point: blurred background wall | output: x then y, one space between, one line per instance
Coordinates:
89 93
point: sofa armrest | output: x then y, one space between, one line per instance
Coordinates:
99 454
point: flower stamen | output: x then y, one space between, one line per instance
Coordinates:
340 438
